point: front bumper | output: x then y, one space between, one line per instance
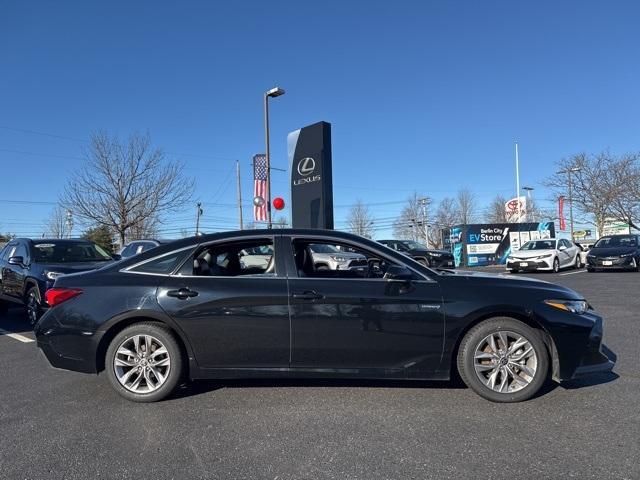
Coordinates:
597 358
612 263
529 265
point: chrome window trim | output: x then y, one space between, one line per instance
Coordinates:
143 262
338 240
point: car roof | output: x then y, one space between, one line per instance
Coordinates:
56 240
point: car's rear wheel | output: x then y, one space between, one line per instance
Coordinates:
33 305
144 362
503 360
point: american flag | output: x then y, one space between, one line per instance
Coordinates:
260 186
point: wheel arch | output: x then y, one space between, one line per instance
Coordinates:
117 325
29 283
520 316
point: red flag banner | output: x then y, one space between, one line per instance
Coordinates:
563 222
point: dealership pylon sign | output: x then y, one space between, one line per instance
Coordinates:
516 209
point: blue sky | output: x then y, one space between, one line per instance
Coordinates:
423 96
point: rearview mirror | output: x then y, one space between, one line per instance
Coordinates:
398 272
16 261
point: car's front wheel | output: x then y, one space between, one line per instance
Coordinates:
503 360
556 265
144 362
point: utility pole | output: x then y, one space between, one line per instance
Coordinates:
198 213
569 171
239 194
69 223
424 201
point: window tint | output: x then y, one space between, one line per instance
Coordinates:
8 251
21 251
146 246
333 260
163 265
242 258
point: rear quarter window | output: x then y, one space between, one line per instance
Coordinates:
162 265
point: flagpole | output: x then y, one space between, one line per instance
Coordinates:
518 183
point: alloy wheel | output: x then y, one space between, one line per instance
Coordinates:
505 361
33 307
142 364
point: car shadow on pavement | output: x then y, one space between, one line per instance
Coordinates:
194 388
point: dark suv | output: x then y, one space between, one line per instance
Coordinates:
28 268
426 256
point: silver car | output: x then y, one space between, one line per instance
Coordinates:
551 254
328 257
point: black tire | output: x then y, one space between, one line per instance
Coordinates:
476 336
513 270
577 264
591 270
33 305
556 265
168 340
4 307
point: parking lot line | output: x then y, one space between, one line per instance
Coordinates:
573 273
16 336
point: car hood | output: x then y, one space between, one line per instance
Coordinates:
471 278
531 253
611 251
74 267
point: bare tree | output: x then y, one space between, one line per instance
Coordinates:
280 222
592 190
447 215
409 225
624 181
122 185
360 220
58 224
496 212
466 201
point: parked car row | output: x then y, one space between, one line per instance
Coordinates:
612 252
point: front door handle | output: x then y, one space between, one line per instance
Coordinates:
182 293
307 295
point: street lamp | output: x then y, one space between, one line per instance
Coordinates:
274 92
569 171
424 201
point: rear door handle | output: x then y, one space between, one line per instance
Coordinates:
182 293
307 295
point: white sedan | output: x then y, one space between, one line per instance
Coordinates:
550 255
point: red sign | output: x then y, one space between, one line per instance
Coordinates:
563 222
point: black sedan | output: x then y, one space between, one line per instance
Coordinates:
615 252
194 309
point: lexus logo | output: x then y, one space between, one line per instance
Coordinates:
306 166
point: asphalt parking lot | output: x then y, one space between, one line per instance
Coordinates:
57 424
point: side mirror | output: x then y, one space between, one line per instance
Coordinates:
116 256
562 247
398 272
16 261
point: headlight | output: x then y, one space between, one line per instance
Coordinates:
544 256
335 258
626 255
573 306
52 275
431 254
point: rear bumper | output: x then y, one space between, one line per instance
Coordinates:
57 360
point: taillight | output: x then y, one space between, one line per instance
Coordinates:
55 296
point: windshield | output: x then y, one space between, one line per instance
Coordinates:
414 245
67 252
625 241
322 248
539 245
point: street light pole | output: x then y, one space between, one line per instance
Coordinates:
198 213
274 92
528 211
